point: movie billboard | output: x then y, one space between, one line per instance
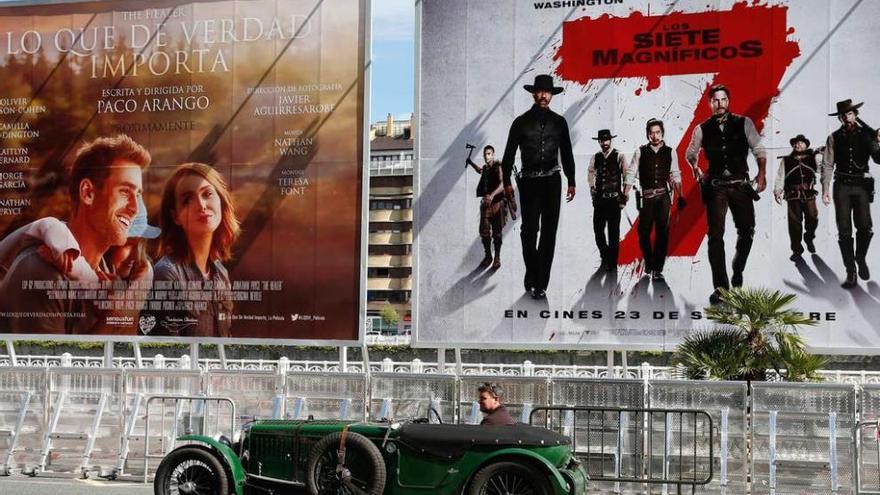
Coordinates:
182 169
593 172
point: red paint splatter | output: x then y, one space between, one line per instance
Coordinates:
753 81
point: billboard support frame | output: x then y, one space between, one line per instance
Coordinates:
138 358
108 354
343 358
10 351
194 356
365 358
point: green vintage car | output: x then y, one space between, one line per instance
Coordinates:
334 457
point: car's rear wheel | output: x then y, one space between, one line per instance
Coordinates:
191 471
362 470
509 478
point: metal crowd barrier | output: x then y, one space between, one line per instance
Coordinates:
868 442
601 392
867 439
399 395
139 385
802 438
726 403
668 447
195 414
259 393
86 414
23 418
805 438
325 396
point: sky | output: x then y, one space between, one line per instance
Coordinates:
393 59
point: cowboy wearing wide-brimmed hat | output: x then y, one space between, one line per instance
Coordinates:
543 140
796 185
847 152
543 82
604 135
845 106
606 176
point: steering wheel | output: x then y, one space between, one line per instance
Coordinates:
431 409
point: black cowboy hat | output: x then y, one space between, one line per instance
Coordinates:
801 138
845 106
543 82
604 135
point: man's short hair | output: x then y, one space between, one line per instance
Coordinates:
94 159
654 122
492 388
488 147
716 88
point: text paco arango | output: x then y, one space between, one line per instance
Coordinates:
566 314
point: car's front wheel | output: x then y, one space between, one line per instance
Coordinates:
360 471
191 471
509 478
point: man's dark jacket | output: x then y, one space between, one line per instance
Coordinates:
499 416
542 137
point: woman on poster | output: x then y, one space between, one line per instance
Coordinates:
199 227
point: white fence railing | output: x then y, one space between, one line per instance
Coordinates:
526 368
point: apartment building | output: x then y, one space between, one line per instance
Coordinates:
389 260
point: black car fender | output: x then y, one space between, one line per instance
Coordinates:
513 454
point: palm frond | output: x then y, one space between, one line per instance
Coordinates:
756 330
792 360
718 354
757 309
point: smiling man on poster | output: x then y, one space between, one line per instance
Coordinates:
105 185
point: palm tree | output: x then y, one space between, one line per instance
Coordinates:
758 331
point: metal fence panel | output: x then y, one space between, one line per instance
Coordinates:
620 439
86 415
521 395
325 396
140 384
194 415
598 392
153 381
802 438
868 440
257 394
399 395
726 403
21 437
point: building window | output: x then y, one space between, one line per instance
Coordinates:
377 295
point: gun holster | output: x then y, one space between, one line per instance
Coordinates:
638 200
705 190
750 191
869 187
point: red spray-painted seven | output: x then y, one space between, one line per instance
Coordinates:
747 49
